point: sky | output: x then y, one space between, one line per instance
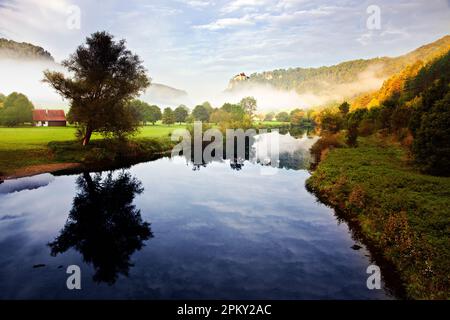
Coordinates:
198 45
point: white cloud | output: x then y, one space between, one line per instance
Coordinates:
227 23
33 16
198 3
239 4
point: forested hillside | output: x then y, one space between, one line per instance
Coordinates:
320 80
23 51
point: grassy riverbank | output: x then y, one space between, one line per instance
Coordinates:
22 150
402 213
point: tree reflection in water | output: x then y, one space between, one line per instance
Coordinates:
104 225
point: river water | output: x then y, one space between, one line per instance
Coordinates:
167 229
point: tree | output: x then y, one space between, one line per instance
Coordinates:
219 116
200 113
269 117
235 110
168 116
2 99
139 108
106 76
154 114
249 106
431 147
344 108
283 117
352 133
400 117
181 113
17 109
297 117
208 107
296 110
330 121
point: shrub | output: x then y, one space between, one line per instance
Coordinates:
323 145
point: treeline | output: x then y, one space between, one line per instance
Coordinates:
244 111
15 109
413 105
297 117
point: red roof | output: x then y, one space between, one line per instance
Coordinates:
48 115
56 115
39 115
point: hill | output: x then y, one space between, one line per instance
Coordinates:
344 80
165 95
10 49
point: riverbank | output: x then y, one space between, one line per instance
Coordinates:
400 212
27 151
71 156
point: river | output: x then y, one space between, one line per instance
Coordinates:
167 229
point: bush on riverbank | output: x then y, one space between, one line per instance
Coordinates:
401 212
109 151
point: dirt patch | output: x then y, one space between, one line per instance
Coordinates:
39 169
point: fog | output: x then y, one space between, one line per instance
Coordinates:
26 77
270 98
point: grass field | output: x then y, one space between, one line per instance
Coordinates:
21 147
403 213
38 137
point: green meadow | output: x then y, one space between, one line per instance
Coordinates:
403 213
27 146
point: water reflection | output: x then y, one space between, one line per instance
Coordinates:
104 225
293 152
28 183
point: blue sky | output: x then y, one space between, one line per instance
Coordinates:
197 45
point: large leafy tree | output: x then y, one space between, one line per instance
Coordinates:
153 114
200 113
283 117
236 111
17 109
249 105
140 109
181 113
269 117
105 77
168 116
220 115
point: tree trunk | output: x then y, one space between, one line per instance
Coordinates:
87 177
87 136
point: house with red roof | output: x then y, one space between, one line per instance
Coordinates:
50 118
